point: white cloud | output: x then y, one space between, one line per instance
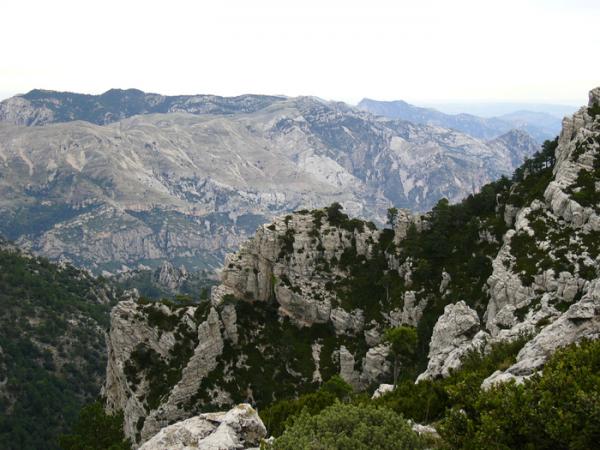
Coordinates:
426 50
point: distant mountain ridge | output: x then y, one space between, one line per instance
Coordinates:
540 126
40 107
188 184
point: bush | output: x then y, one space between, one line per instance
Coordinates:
96 430
557 410
282 413
344 426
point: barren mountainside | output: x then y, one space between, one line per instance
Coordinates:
129 178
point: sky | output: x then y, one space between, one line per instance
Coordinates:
420 51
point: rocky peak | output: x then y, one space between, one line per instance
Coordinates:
544 279
170 277
279 294
292 261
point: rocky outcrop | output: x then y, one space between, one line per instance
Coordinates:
284 262
203 361
404 220
236 429
142 334
580 321
382 390
278 289
170 277
544 280
456 333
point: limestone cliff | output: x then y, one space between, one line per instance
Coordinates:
281 294
545 276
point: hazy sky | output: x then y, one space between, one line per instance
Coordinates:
423 50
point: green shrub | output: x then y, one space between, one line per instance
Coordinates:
558 410
345 426
96 430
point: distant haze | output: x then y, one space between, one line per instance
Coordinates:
501 108
431 50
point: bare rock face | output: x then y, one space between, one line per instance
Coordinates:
134 338
456 333
279 289
376 365
404 221
382 390
202 362
540 225
347 368
170 277
412 310
236 429
285 261
516 309
580 321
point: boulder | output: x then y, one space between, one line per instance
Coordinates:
236 429
382 390
456 333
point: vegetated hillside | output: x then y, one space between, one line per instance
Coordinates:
541 126
191 183
52 347
510 273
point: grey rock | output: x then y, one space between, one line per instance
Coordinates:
580 321
347 370
455 334
376 365
238 428
382 390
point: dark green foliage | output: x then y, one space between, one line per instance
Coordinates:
527 255
452 243
584 190
318 215
286 242
427 401
96 430
281 414
594 110
392 216
164 373
533 177
157 318
403 345
269 376
558 410
346 426
53 356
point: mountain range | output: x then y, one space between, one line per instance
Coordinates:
540 125
125 178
